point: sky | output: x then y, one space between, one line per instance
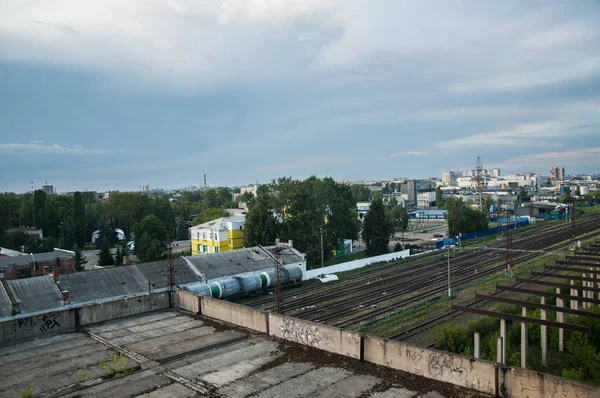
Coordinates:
111 95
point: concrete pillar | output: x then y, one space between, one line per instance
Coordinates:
544 333
503 335
574 292
560 317
499 345
584 304
477 345
524 341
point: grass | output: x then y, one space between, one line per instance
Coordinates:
435 307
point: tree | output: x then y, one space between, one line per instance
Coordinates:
181 230
397 215
79 218
148 248
360 193
209 214
439 201
105 257
39 209
377 229
463 219
150 238
80 259
261 226
118 257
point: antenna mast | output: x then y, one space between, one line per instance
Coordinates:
480 182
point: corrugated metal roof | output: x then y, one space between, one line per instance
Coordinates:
103 283
27 259
218 265
35 294
5 304
156 273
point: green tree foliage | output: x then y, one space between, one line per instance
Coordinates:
397 215
360 193
39 209
439 201
181 230
68 234
463 219
148 248
118 257
105 257
377 229
153 226
261 225
209 214
78 219
297 210
80 259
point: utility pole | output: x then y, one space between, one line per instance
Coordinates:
277 252
322 259
170 274
449 288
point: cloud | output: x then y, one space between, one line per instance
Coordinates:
548 134
37 147
408 153
574 157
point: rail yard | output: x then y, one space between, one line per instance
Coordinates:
388 288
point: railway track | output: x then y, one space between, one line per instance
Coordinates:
391 287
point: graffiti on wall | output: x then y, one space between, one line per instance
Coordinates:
447 365
300 332
27 326
551 387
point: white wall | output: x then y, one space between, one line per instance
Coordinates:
314 273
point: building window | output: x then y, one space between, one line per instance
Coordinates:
241 227
216 249
200 248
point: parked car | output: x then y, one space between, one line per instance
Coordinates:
438 235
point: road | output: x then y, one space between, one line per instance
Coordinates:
92 255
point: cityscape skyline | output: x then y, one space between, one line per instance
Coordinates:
105 97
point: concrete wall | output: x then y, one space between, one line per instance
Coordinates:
315 335
526 383
24 328
438 365
187 301
125 307
311 274
234 313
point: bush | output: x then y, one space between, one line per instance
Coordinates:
452 338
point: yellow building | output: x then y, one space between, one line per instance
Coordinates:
222 234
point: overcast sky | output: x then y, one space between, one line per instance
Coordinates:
110 94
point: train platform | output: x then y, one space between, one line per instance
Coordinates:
173 354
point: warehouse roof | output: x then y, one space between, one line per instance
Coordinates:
35 294
5 304
156 273
102 284
234 262
28 259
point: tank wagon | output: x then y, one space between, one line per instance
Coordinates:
245 284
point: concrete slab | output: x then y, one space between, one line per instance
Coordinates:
45 349
225 360
28 345
135 384
165 340
174 390
238 370
165 323
263 380
197 342
131 321
153 333
395 393
350 387
306 384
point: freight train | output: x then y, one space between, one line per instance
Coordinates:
237 285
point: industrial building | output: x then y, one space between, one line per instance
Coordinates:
57 262
222 234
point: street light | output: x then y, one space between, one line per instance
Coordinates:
34 267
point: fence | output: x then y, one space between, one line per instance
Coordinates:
487 232
447 367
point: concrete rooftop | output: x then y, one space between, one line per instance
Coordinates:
171 354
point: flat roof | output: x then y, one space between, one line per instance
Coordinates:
169 353
239 261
